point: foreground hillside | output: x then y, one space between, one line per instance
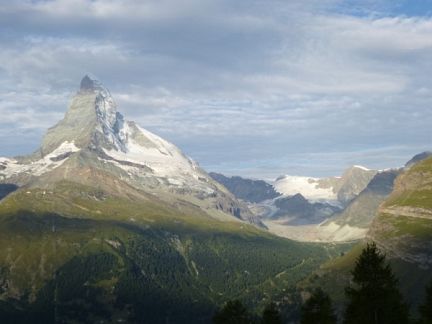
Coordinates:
75 254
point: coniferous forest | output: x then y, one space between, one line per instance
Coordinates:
373 297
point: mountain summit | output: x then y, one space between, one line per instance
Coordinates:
90 83
92 120
95 146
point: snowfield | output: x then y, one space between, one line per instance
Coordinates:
310 188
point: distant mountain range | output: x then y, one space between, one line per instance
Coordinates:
315 209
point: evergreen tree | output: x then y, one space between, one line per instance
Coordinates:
318 309
375 298
233 312
425 309
271 315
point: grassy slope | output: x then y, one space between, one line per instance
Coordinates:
415 187
77 248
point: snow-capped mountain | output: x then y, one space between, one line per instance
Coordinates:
307 206
94 143
333 190
310 188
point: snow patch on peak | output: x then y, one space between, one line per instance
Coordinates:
361 167
144 148
47 163
65 147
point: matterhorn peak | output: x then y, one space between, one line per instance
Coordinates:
90 83
93 145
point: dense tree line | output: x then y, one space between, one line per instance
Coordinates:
372 297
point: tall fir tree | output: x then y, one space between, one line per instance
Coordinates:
271 315
318 309
425 309
374 297
233 312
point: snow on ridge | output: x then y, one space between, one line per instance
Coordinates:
41 166
64 147
164 158
361 167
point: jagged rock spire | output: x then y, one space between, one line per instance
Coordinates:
90 83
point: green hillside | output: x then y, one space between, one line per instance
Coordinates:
76 254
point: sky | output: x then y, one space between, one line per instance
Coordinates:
256 88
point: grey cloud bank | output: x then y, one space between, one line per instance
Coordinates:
256 88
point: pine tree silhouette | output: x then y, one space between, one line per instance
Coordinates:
233 312
271 315
374 297
425 309
318 309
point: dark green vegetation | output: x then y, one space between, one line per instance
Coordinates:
374 296
246 189
77 254
336 274
271 315
233 312
318 309
425 308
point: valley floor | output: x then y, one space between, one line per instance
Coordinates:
325 232
316 232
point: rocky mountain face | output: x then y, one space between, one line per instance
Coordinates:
297 210
361 211
417 158
353 181
249 190
95 146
